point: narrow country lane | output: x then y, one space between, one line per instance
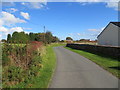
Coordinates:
76 71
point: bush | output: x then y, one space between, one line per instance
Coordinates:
5 59
20 63
35 65
12 74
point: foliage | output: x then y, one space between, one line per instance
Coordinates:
55 39
48 37
41 70
69 38
62 41
19 37
3 40
32 36
20 62
22 37
9 38
5 59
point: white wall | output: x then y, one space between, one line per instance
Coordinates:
109 36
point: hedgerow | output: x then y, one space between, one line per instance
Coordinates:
20 63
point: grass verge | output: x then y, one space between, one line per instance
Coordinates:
111 65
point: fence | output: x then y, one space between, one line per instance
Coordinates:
103 50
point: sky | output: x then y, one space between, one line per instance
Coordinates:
79 20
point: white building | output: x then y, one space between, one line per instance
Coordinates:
110 35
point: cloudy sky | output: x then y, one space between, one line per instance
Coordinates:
75 19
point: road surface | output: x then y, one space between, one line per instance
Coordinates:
75 71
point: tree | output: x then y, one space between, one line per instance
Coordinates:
48 37
69 38
32 36
9 38
55 39
41 37
20 37
62 41
15 36
3 40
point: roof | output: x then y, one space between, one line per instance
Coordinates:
115 23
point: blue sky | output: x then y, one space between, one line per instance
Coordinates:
74 19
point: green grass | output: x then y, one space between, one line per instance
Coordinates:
46 72
107 63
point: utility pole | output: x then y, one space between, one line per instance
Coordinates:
44 35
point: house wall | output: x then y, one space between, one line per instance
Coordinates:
109 36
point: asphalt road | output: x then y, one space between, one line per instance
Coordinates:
76 71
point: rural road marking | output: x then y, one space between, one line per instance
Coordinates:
76 71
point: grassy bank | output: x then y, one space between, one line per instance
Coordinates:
44 72
111 65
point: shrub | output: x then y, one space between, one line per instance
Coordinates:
25 63
5 59
12 74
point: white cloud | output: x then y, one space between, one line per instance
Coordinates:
25 15
27 28
112 5
88 34
109 3
8 19
18 29
1 22
23 3
5 31
26 32
94 30
12 10
93 33
36 5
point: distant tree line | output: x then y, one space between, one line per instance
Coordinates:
22 37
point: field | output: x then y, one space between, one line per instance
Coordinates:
111 65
